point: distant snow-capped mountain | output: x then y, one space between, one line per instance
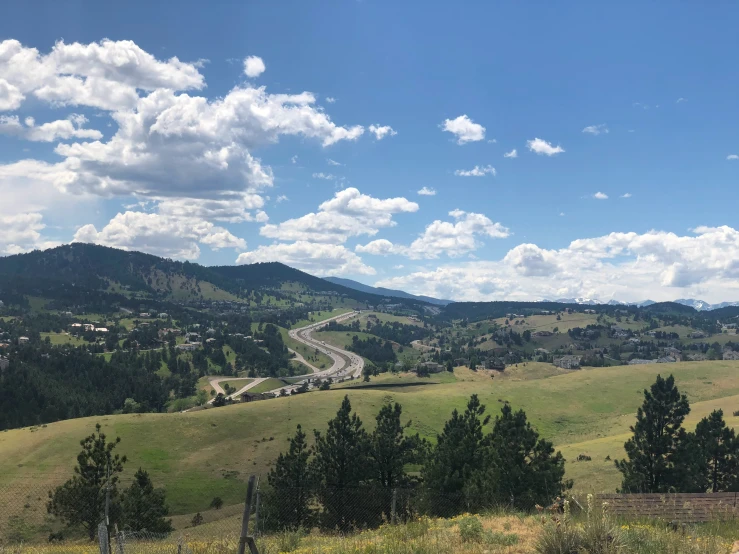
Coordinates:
700 305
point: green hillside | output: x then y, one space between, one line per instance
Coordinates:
199 455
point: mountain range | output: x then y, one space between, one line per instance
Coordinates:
385 292
65 271
698 305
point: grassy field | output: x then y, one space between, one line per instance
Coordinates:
199 455
320 360
321 316
268 385
62 338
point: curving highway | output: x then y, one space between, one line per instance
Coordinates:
346 365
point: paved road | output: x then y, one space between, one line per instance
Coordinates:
216 384
345 364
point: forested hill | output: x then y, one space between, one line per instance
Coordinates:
476 311
86 269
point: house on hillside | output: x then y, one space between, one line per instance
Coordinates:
672 352
247 396
23 340
432 367
567 362
188 346
492 363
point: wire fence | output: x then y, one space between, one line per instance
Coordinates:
105 521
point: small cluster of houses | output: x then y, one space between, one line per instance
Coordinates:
87 328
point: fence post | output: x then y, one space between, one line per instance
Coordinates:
245 538
256 510
103 538
393 518
120 540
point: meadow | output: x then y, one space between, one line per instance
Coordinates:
198 455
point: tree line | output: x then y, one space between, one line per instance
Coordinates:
347 477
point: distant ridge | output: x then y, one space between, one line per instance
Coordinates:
385 292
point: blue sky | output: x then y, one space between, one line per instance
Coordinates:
192 159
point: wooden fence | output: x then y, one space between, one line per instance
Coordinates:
678 507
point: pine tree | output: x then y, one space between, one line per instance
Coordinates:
81 500
340 466
390 450
519 469
457 455
719 452
144 507
292 484
655 447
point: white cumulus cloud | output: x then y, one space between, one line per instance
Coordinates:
442 237
624 266
600 196
464 129
732 157
512 154
349 213
477 171
540 146
382 131
315 258
426 191
596 129
162 235
62 129
253 66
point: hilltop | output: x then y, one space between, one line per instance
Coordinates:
65 271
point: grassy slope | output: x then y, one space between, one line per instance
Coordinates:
321 316
585 411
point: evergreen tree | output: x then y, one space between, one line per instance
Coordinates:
457 455
340 467
144 507
390 450
81 500
519 469
291 483
654 450
719 452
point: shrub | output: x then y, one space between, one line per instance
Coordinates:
599 534
470 529
287 541
501 539
560 536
